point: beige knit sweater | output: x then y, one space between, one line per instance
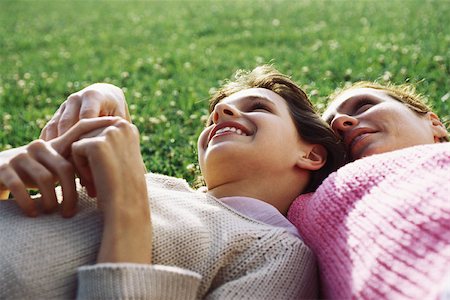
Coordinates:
201 249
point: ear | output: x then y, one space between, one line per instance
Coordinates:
314 159
438 129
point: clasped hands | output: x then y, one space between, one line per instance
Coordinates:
90 136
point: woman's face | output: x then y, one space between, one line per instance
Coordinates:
252 134
370 122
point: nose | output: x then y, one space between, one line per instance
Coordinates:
224 110
342 122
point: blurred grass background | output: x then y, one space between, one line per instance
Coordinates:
169 55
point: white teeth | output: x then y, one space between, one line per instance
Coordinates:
231 129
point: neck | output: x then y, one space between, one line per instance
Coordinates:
278 192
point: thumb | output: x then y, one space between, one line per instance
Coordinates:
63 143
82 165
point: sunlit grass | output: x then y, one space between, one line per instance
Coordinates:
168 55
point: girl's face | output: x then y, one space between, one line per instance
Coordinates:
252 135
370 122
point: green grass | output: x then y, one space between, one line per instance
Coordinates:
169 54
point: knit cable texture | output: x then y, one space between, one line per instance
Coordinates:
380 226
202 249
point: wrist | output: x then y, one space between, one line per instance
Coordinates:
127 237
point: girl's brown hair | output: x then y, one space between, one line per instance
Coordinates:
308 122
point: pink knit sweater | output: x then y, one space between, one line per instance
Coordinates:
380 226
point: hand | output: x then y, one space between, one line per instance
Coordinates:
40 165
37 165
111 163
97 100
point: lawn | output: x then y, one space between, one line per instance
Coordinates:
170 55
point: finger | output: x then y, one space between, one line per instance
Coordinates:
63 143
70 116
66 177
81 164
42 178
94 133
109 99
14 184
127 113
90 108
50 130
103 131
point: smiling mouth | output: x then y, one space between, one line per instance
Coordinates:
355 143
226 129
230 130
358 138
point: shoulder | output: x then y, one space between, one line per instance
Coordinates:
167 182
429 154
414 171
271 243
367 212
395 166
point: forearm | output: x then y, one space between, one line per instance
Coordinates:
127 237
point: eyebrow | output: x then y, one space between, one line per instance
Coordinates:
251 97
348 102
329 118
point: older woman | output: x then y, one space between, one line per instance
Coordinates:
372 118
380 226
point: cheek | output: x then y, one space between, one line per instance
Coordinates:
382 117
396 112
289 130
202 139
405 122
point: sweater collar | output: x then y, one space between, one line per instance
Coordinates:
260 211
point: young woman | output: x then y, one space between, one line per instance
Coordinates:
156 237
380 226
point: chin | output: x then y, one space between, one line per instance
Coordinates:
366 154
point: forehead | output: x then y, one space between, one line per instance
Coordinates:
347 99
255 93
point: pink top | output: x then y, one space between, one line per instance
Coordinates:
261 211
380 226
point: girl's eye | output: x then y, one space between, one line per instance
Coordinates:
258 106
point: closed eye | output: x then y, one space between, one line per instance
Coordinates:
363 106
259 106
